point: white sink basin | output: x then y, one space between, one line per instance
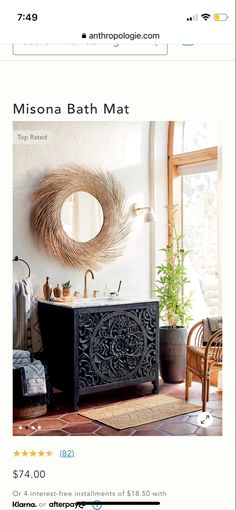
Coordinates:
98 301
91 299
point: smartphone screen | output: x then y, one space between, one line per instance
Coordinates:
117 222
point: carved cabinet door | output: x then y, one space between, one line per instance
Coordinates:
115 346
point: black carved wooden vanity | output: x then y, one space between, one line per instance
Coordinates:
99 347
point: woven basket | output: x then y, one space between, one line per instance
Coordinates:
29 412
30 407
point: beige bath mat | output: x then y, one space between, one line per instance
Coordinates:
140 411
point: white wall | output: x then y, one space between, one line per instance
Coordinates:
120 147
160 188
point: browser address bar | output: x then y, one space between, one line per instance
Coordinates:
99 48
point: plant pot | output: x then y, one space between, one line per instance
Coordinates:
66 291
173 354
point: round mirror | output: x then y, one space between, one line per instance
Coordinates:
81 216
75 227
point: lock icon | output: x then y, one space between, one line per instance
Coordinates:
84 36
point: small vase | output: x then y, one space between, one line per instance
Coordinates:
47 289
66 291
57 291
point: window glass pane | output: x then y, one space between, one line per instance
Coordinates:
193 136
199 135
200 238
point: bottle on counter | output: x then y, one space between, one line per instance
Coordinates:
47 289
57 291
106 291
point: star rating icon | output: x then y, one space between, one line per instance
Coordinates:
33 453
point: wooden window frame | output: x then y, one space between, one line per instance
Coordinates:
174 179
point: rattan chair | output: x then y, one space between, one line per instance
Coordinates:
202 360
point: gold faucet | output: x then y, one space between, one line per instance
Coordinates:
85 281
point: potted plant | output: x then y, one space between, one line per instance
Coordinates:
174 308
66 288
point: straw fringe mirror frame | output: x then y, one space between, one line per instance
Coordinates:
46 221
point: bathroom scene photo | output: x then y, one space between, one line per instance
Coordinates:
117 302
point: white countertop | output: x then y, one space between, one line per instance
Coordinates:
91 302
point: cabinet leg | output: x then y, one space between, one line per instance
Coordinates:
155 387
75 403
74 406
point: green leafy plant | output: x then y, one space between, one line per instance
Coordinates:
66 285
171 279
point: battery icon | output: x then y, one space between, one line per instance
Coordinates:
220 16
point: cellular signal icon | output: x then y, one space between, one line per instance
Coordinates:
205 16
193 18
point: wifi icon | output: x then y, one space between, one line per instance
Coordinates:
205 16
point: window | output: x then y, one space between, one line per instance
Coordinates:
194 180
199 228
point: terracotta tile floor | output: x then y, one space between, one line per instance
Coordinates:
61 422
